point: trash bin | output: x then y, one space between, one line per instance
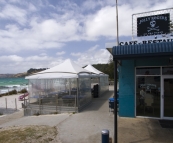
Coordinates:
111 103
95 91
105 136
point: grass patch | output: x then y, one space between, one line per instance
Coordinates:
28 134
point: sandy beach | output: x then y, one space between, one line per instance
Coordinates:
11 105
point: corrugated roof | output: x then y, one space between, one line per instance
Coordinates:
143 50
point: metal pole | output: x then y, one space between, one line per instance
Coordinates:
77 100
117 23
115 102
115 84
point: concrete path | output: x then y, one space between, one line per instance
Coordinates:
50 120
86 126
8 118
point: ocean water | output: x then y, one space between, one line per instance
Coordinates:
8 84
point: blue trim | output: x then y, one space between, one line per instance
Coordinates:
145 50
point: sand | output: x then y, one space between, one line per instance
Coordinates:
11 105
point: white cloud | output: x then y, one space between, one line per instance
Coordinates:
76 54
31 7
14 1
42 26
103 22
11 58
14 13
92 56
65 31
93 48
43 54
16 64
92 5
60 53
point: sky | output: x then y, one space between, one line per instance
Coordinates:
44 33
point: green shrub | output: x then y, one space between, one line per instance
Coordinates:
23 91
36 114
13 92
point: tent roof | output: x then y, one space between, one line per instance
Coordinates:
67 69
52 76
67 66
93 70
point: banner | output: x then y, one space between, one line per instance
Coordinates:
153 25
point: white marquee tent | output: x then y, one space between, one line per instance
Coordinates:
65 87
67 69
99 78
92 69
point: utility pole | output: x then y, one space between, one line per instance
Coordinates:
115 83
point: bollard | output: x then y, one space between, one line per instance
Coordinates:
105 136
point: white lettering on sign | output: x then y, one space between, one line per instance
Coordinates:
153 19
145 42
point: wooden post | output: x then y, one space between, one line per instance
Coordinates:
39 103
6 103
15 104
56 103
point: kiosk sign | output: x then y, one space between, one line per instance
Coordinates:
153 25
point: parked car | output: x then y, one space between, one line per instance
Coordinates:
21 97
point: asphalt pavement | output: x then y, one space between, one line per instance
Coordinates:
86 126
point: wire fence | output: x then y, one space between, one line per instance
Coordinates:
9 106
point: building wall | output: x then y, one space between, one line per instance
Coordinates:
126 89
127 82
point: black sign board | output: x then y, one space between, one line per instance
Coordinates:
153 25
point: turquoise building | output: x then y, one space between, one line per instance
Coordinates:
145 79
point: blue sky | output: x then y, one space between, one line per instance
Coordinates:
43 33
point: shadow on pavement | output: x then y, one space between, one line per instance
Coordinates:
97 103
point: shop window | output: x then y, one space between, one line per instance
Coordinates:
167 70
148 71
148 96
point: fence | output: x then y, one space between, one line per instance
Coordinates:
8 106
49 106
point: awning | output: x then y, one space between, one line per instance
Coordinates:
144 50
